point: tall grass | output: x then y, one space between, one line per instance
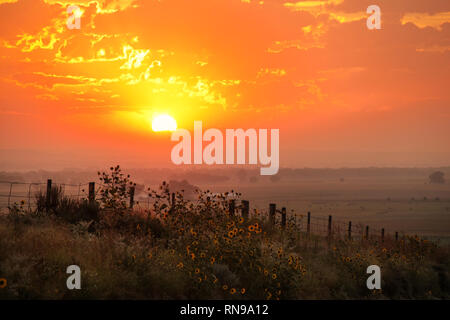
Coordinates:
184 249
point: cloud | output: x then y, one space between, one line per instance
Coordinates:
423 20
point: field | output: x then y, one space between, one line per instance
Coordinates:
194 249
403 205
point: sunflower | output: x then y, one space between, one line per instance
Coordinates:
233 291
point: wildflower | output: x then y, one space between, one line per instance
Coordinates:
348 259
199 279
233 291
230 234
251 228
202 255
243 291
241 220
212 260
274 276
193 256
225 287
197 270
384 250
180 265
266 273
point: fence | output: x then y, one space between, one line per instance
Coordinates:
14 192
318 225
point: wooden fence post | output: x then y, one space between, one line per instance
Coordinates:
131 197
329 227
231 207
91 192
349 230
272 211
283 217
367 232
245 209
382 235
9 196
173 199
49 193
308 226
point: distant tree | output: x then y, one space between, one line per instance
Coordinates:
437 177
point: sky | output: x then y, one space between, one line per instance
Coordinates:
340 94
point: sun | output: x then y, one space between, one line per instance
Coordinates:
164 122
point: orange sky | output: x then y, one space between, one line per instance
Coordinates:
341 95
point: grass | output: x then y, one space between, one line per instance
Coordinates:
196 250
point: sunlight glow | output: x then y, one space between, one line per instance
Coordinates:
164 122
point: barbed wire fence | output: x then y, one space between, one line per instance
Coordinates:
25 194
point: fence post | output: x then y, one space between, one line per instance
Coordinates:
49 192
349 230
382 235
131 197
367 232
329 227
396 235
272 211
91 192
231 207
245 209
29 197
9 197
308 227
283 217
